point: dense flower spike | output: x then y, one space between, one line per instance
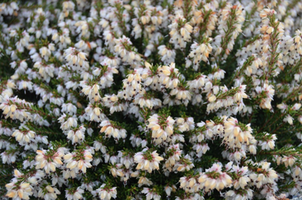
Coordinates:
168 99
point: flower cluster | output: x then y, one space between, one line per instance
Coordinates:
167 99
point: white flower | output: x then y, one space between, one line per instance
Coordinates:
76 135
79 161
49 161
106 193
215 178
67 124
24 136
147 161
289 119
151 194
51 193
74 194
111 130
18 190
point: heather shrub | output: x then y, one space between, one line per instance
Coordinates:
150 99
